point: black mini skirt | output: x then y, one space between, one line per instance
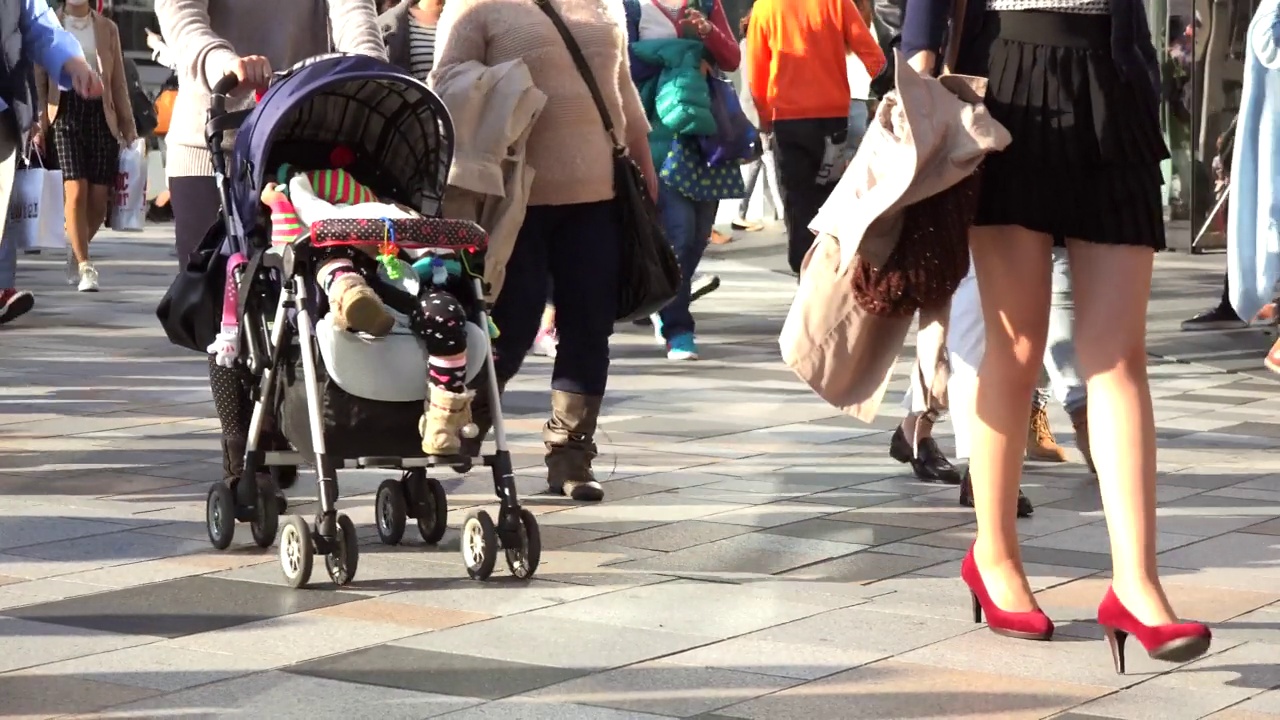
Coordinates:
1086 152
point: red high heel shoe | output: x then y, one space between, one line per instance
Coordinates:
1176 642
1033 625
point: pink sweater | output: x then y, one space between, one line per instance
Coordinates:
567 148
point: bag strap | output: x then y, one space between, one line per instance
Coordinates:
954 36
580 61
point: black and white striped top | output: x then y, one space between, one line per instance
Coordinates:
422 49
1086 7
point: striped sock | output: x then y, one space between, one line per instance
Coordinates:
285 224
448 373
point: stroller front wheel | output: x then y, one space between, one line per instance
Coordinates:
522 560
220 515
433 513
266 516
344 556
297 551
390 512
479 545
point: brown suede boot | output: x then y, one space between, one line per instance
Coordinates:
441 426
1041 444
1080 420
356 306
568 436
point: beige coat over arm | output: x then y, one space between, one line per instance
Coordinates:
926 137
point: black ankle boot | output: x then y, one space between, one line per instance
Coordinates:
966 497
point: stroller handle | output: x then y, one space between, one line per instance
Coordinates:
220 91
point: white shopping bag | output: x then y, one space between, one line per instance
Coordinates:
26 206
53 218
128 212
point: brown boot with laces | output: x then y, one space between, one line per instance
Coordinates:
1040 442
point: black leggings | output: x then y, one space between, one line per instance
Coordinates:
195 204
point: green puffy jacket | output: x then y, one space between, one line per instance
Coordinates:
676 98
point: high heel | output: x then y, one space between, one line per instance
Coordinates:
1177 642
1031 625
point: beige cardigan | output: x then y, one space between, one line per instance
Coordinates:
494 110
115 88
568 145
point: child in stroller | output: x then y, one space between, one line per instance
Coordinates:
332 193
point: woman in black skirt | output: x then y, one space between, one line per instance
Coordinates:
1075 82
87 135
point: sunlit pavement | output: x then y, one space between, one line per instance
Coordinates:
758 556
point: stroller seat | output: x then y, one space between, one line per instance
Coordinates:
389 369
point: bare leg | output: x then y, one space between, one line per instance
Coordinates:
1013 271
76 208
99 206
548 318
1112 285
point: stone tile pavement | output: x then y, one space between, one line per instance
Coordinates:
759 556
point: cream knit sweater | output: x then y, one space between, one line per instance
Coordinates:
203 36
568 149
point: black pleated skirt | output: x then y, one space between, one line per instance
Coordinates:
1086 152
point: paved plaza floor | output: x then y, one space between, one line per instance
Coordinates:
759 555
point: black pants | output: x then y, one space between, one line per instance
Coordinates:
799 146
195 204
577 246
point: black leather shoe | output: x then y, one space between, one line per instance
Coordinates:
966 497
930 465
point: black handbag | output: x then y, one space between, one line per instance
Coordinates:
191 310
648 272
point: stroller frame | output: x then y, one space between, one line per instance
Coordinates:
254 499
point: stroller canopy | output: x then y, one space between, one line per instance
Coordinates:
398 131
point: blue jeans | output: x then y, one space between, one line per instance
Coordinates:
859 116
1060 350
687 224
577 246
8 262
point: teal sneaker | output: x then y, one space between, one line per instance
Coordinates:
682 347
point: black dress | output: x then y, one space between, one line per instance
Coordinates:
1086 152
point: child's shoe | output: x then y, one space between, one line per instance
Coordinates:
357 307
546 343
448 414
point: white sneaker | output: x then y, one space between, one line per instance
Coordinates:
88 278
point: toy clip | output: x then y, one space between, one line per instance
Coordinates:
388 253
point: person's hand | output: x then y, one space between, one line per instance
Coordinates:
37 140
84 80
706 68
253 72
923 62
698 22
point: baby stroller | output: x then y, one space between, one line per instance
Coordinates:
324 393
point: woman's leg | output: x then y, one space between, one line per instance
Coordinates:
196 205
751 176
584 257
1013 269
1112 287
99 206
76 207
524 292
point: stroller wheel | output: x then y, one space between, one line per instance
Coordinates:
296 551
389 512
342 559
220 515
266 516
433 515
523 560
479 545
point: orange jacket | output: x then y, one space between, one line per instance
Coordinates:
796 53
